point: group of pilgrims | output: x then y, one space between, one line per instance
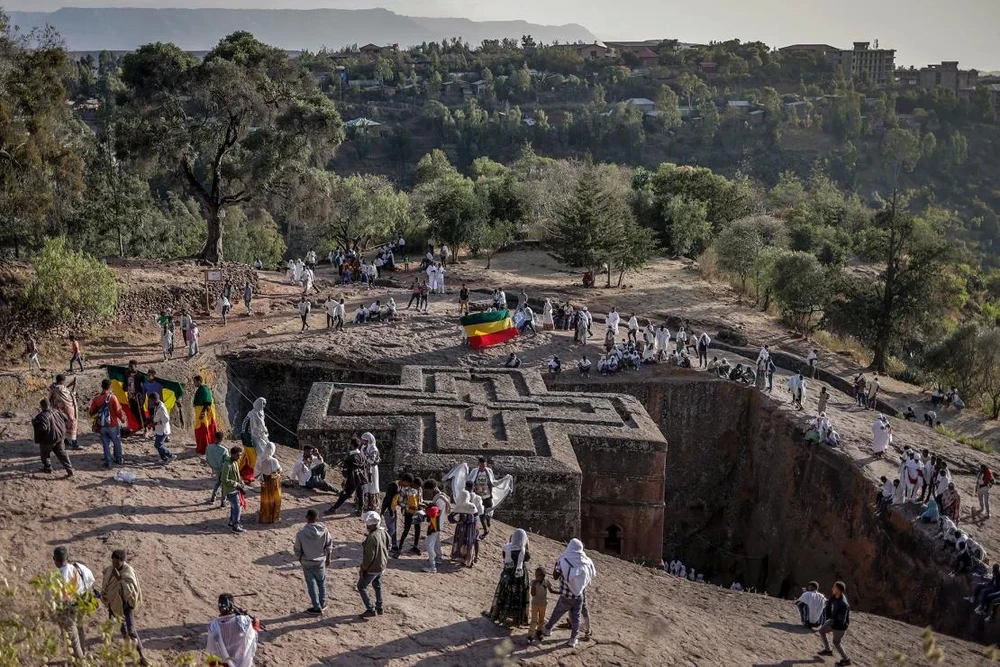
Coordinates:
465 498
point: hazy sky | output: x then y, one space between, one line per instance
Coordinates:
922 31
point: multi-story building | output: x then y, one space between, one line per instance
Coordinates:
947 75
877 64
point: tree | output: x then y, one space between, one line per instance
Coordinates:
434 166
234 126
252 235
740 244
72 286
589 225
955 359
687 225
666 104
365 209
801 287
900 153
40 165
453 210
904 298
487 238
989 359
637 246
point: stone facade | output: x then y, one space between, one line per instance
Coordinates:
586 465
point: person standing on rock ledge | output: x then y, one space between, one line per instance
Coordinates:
838 619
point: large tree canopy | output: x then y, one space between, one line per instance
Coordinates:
40 166
232 127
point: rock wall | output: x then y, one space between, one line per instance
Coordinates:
286 383
747 499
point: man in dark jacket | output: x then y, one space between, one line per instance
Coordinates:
838 615
374 560
50 432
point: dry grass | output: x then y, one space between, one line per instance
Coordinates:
975 443
844 345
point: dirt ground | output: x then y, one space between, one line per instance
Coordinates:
186 557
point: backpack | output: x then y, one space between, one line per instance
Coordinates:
412 502
104 414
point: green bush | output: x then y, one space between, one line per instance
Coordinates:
70 286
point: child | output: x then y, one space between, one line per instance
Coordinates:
214 455
390 505
540 588
406 262
409 499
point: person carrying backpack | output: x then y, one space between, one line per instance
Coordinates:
50 433
108 419
574 571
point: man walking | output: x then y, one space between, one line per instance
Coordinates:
120 591
984 482
31 351
314 549
108 416
248 298
76 357
231 484
838 619
374 560
79 581
50 435
305 307
574 571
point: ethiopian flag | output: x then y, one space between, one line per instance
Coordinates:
487 329
169 391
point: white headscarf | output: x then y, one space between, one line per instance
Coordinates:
463 503
518 542
370 450
575 556
258 429
371 519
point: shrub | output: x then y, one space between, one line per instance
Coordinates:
31 637
70 286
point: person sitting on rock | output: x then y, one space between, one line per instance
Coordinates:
811 604
989 587
910 415
361 315
723 369
584 366
512 361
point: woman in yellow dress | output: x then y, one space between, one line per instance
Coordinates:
269 471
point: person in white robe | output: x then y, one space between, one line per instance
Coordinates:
440 278
371 490
613 320
633 328
911 479
662 341
880 435
290 274
432 272
548 322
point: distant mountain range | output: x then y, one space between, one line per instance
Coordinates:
124 29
